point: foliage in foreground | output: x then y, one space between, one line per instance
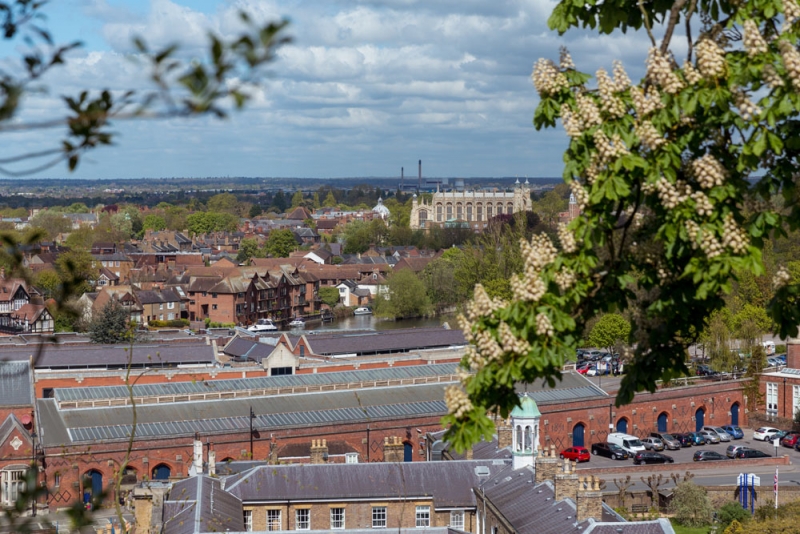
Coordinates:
680 180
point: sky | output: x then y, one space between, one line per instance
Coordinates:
366 87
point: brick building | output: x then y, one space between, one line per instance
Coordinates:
17 442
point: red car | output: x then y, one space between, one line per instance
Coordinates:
583 368
790 440
578 454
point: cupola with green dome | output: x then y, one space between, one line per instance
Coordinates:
525 441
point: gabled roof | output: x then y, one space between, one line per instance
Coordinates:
157 297
199 504
29 312
299 214
10 425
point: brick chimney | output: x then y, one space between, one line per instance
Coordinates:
590 500
793 353
546 465
319 451
212 463
566 482
504 433
392 449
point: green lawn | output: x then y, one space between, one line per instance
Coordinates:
689 530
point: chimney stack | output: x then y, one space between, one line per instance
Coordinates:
319 451
393 449
546 465
589 502
504 433
419 185
793 353
198 457
566 482
402 176
212 463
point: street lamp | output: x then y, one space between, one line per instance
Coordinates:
35 469
252 416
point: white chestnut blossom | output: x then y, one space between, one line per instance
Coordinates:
771 76
753 41
791 60
457 401
621 79
564 278
588 111
580 194
747 109
547 78
660 72
567 239
781 278
649 136
565 59
572 122
543 325
610 103
691 74
708 171
733 236
791 11
710 59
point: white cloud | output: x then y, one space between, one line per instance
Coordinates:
390 80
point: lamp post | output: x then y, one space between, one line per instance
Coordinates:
610 418
784 397
252 416
35 469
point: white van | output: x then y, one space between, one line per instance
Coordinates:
769 347
630 443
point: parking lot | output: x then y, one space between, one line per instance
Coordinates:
684 455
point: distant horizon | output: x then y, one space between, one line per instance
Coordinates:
410 179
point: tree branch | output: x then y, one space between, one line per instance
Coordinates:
689 14
646 22
674 15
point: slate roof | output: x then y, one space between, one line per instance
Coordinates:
199 504
86 355
157 297
219 417
303 450
15 381
385 341
448 483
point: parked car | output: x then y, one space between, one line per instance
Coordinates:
604 369
790 439
710 436
609 450
650 457
653 444
763 433
707 456
583 368
698 439
731 451
703 370
723 436
751 453
734 431
578 454
627 442
670 441
774 361
685 439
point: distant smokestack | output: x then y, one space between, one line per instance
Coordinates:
419 185
402 175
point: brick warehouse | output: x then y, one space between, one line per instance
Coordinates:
354 415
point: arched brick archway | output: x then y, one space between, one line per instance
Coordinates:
662 422
699 418
161 472
579 435
735 408
622 425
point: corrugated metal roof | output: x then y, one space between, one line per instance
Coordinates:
88 355
294 419
15 383
231 414
244 384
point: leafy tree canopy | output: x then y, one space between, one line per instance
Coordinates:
612 328
405 296
280 243
681 179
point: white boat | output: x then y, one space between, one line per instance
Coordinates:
263 325
363 311
298 322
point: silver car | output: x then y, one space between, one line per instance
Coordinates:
653 444
723 436
710 436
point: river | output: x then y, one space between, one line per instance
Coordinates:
370 322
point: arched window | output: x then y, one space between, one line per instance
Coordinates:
161 472
459 212
489 211
469 212
480 212
528 438
423 215
438 212
510 208
735 414
519 437
499 209
449 211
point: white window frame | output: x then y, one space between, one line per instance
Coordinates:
795 400
379 517
423 517
170 305
12 483
302 523
337 518
349 457
772 398
457 519
276 517
248 520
